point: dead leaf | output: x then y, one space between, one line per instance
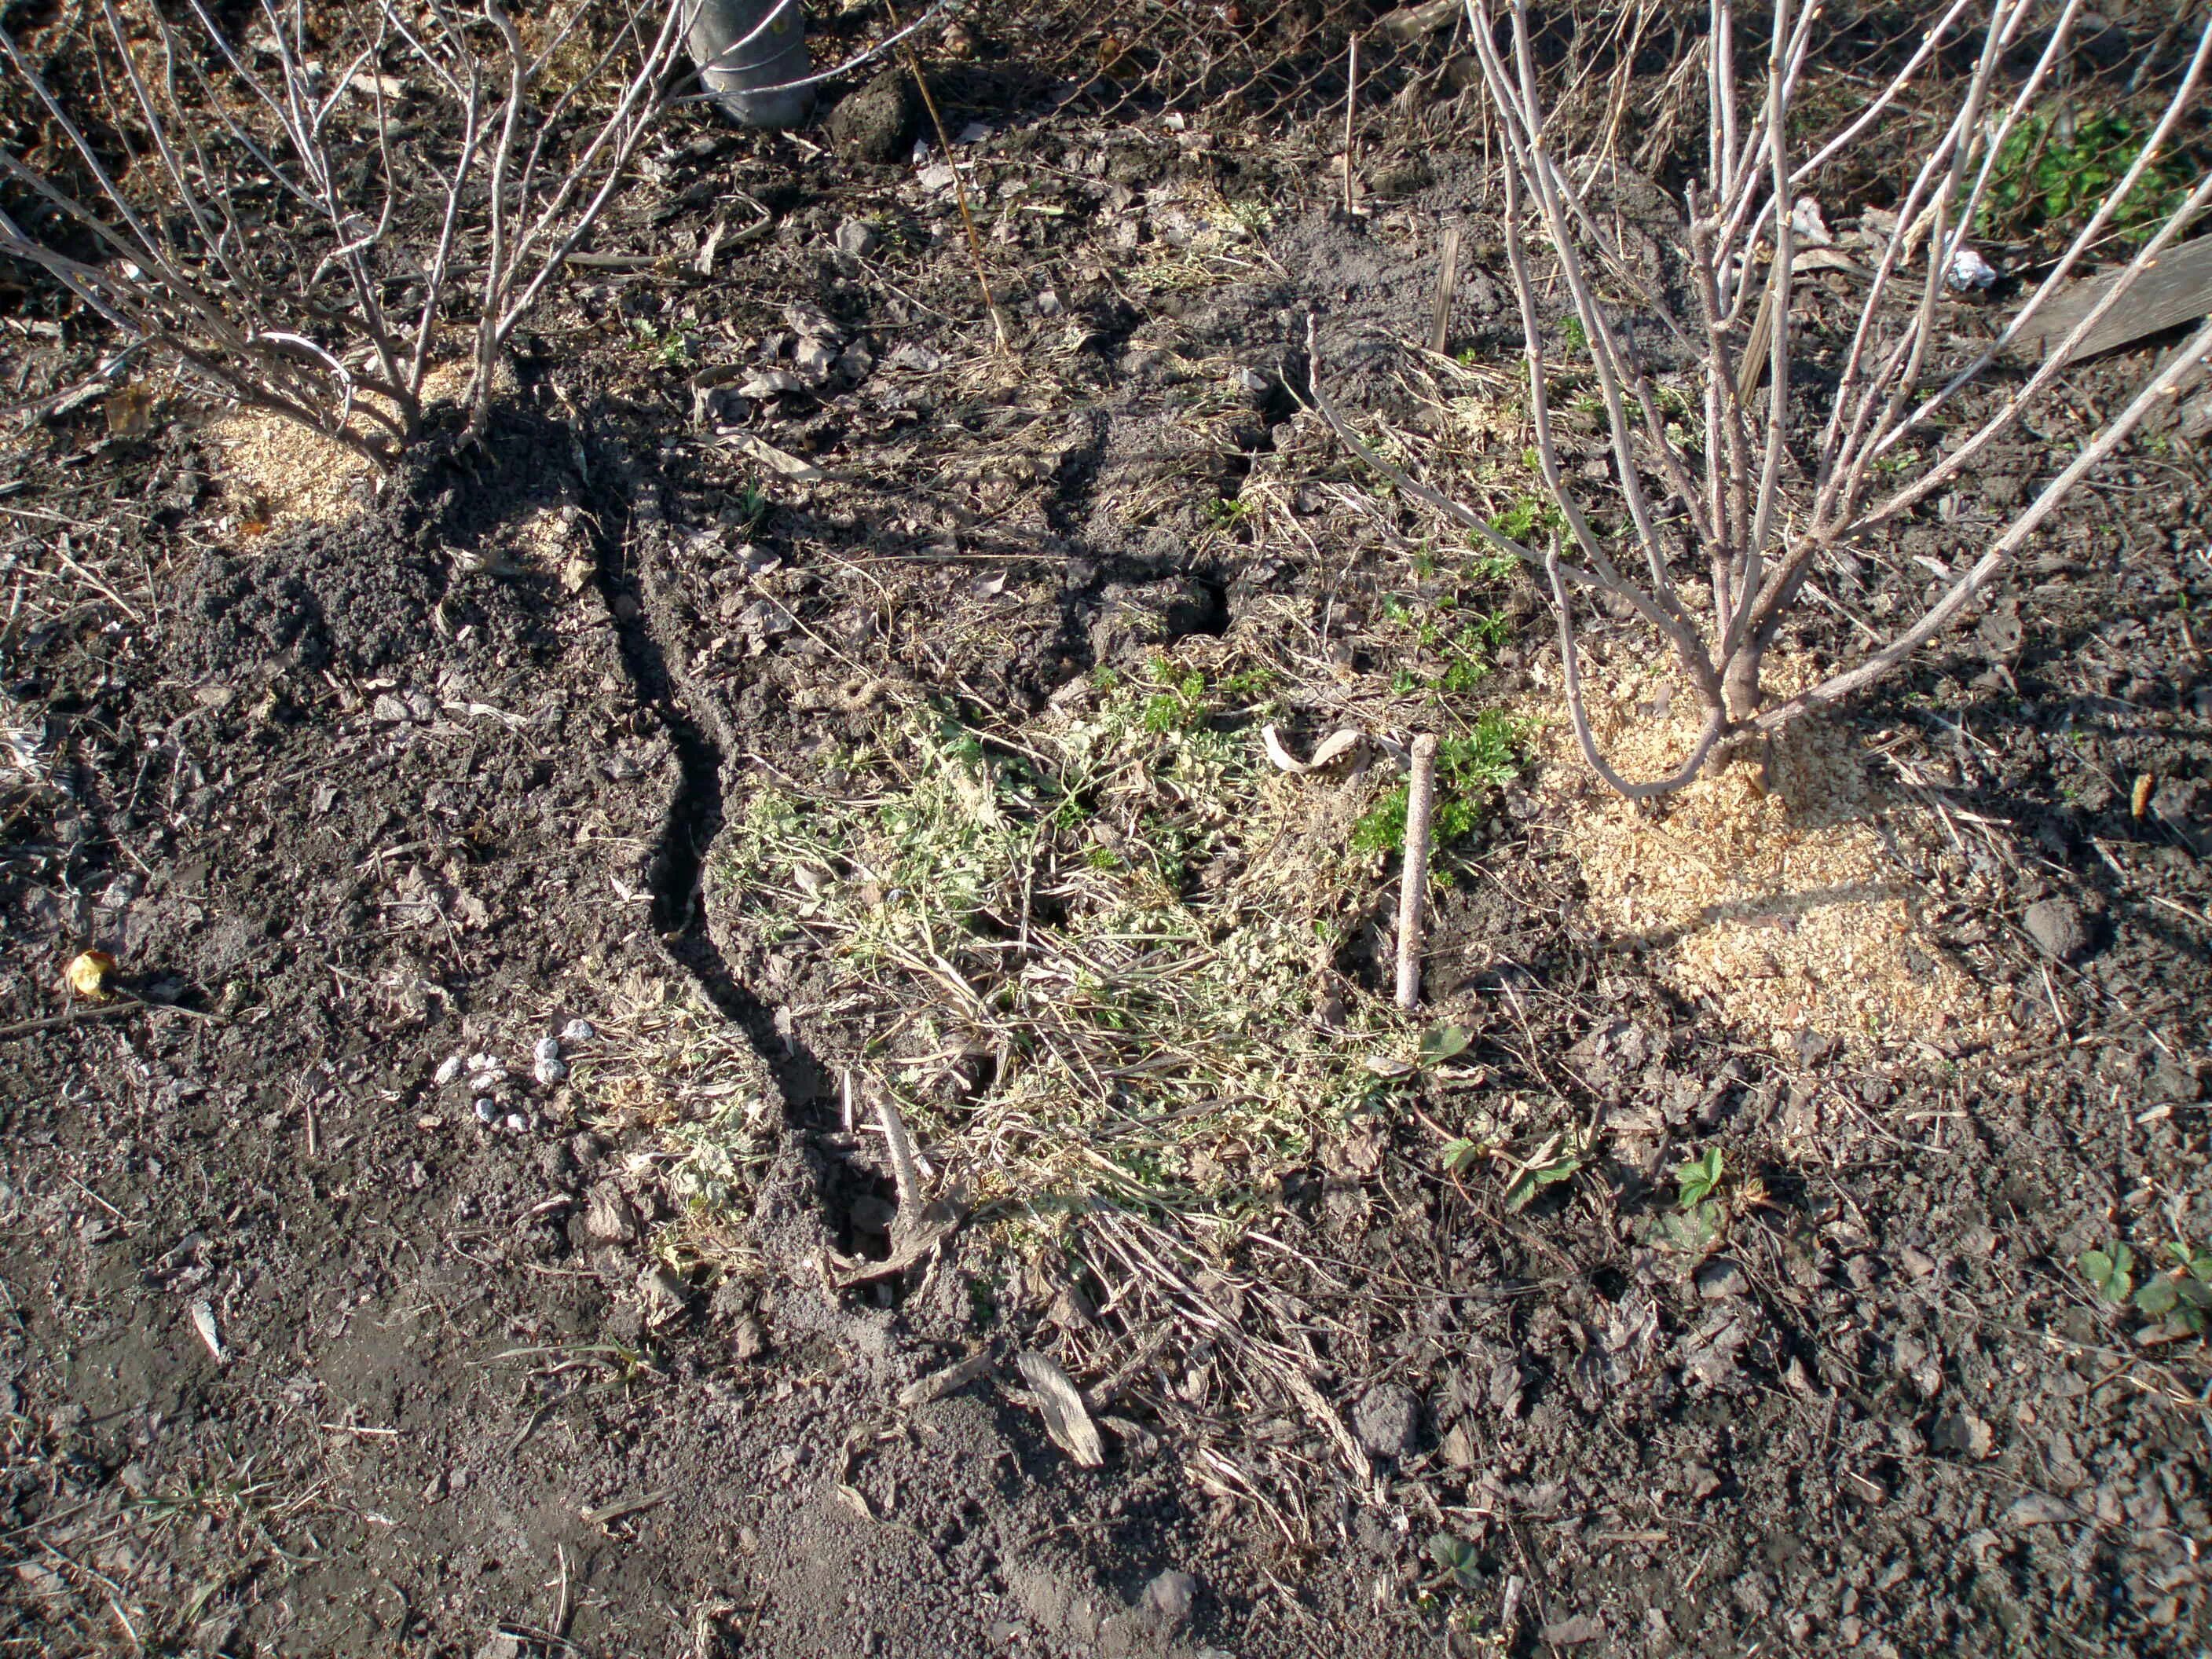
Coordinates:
1058 1402
951 1380
773 459
1333 747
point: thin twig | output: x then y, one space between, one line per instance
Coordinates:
959 184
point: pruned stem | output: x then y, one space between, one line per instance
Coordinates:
1412 892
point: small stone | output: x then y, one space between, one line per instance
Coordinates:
1721 1278
1387 1420
2056 927
871 1214
770 383
2040 1508
388 710
662 1293
748 1340
579 1030
812 359
1963 1432
487 1109
517 1124
1459 1448
1572 1633
2173 1079
1169 1597
1049 305
625 607
551 1072
448 1069
875 122
546 1047
608 1217
857 237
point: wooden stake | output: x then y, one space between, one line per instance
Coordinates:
1420 803
1351 110
1447 285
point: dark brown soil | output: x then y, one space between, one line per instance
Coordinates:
347 802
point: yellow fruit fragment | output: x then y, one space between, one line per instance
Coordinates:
88 974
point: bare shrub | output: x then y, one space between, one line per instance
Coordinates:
1782 450
297 216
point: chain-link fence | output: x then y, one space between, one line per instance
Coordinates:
1286 67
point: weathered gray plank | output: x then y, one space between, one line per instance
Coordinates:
2176 288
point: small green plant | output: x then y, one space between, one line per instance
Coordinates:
1459 1564
2110 1272
1179 704
1699 1178
1572 330
1526 517
753 507
1467 768
2180 1296
1248 686
671 347
1558 1159
1488 566
1460 1155
2056 169
1225 513
1700 1215
1441 1043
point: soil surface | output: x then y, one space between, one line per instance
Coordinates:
472 1223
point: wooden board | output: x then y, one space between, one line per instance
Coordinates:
2176 288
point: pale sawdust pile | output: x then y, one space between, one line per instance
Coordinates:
281 474
1777 906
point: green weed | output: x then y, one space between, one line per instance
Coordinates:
2054 171
2178 1299
1559 1158
1526 518
2111 1273
1225 513
1467 768
671 347
1699 1178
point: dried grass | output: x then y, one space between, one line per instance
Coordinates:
1778 907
